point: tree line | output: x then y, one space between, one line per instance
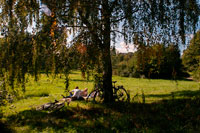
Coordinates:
159 61
156 61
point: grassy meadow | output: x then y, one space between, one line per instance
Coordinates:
156 105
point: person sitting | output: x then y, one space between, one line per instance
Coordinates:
84 92
77 94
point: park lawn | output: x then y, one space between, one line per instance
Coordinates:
166 105
158 89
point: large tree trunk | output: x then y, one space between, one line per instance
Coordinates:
106 57
103 42
107 75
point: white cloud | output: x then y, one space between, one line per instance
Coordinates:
125 48
46 10
191 35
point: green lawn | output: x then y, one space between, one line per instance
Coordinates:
159 89
169 106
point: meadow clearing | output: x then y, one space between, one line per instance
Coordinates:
156 105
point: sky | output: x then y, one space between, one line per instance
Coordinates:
120 44
122 47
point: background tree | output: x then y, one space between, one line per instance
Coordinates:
191 56
156 61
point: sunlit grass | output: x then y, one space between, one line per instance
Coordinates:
47 89
159 88
22 116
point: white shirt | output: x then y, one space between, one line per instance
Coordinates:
77 93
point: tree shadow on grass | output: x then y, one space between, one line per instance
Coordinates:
185 93
4 128
164 116
81 80
74 119
44 94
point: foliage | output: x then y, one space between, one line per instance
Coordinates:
16 45
92 22
148 22
156 61
159 61
30 49
191 56
123 64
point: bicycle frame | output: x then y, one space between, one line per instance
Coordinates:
119 92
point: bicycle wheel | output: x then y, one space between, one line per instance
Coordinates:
58 106
122 95
98 97
91 95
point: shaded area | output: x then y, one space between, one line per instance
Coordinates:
158 95
185 93
81 80
44 94
73 119
167 115
4 128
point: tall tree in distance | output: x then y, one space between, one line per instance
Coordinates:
191 56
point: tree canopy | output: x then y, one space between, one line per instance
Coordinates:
94 23
191 56
156 61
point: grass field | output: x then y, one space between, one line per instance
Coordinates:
166 105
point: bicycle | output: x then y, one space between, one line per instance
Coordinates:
52 106
119 93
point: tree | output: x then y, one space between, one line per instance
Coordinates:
191 56
23 51
100 21
16 49
123 64
146 21
155 61
159 61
